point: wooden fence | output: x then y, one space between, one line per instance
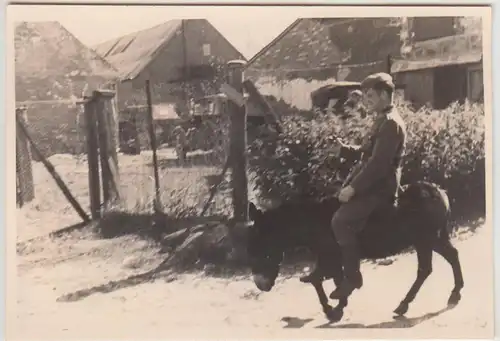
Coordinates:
238 106
102 144
101 129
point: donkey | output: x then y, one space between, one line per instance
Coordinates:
418 220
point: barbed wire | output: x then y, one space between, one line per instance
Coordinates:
319 68
51 101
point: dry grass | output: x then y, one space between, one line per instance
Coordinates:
184 190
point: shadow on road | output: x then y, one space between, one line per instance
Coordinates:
128 282
295 322
398 322
182 234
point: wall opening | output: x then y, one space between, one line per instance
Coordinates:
450 85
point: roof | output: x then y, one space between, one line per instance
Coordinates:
274 41
326 48
47 49
53 65
451 50
134 51
314 30
304 44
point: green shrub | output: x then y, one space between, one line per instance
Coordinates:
446 147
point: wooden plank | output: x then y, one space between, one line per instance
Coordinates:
107 157
106 93
92 141
19 193
24 168
234 95
260 102
103 149
152 139
111 119
238 144
60 183
115 121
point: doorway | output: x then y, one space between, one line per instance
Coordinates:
450 85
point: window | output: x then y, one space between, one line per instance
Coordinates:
206 50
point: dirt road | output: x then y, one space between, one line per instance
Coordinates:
201 306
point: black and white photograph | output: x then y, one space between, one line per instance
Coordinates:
249 171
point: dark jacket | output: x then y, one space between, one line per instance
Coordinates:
380 155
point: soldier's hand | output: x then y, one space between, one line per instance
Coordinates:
337 147
346 194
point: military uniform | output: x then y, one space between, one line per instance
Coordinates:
375 179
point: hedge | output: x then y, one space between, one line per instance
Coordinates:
446 147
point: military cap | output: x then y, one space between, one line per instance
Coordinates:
380 79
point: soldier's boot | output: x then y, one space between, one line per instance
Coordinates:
352 276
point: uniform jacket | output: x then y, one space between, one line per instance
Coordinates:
380 155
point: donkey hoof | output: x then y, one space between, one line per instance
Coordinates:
334 314
454 298
401 309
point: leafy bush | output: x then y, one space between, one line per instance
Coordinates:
445 147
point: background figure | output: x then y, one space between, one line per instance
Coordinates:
354 105
180 144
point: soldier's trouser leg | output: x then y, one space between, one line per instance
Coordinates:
346 223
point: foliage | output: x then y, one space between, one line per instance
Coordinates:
470 25
446 147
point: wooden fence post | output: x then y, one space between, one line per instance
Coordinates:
238 144
152 141
107 145
50 168
93 157
24 170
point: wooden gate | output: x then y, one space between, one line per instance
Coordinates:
102 142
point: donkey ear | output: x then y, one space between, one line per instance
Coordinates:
253 211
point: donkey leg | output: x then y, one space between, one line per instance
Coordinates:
333 314
325 254
424 255
317 273
338 278
450 254
323 299
337 275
